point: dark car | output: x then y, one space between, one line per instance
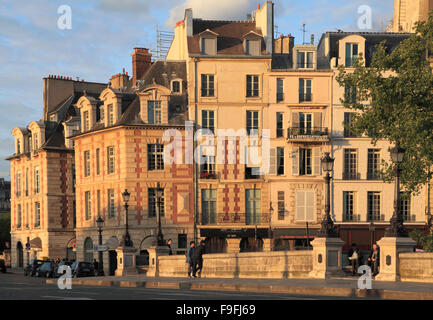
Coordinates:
32 266
2 266
62 263
46 270
82 269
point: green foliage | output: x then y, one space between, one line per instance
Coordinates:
5 228
398 87
425 241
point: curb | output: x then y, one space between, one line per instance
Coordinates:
284 289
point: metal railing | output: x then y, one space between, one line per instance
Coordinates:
305 97
308 132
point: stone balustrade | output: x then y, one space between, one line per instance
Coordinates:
416 266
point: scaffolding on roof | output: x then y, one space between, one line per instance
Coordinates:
163 42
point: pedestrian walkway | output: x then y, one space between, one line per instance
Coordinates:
338 287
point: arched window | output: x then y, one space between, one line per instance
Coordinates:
88 250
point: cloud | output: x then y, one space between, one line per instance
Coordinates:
210 9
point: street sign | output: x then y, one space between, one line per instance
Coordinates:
100 248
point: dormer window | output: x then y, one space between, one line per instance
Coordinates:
86 120
351 54
154 112
175 86
110 115
18 146
208 42
252 47
36 141
305 60
101 114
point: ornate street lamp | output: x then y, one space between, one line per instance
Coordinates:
159 236
126 238
100 224
396 228
328 229
371 228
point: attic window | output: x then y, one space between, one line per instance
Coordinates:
175 86
252 47
208 46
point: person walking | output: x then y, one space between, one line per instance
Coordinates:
355 261
189 258
169 244
198 259
374 260
95 266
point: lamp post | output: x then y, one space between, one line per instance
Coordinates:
159 236
396 228
126 238
100 223
328 229
371 228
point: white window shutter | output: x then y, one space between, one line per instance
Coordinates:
317 152
317 120
300 205
273 164
309 206
295 162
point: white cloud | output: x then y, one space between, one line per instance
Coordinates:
210 9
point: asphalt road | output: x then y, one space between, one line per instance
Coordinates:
17 287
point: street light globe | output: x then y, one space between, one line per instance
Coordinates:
327 163
126 196
100 222
397 154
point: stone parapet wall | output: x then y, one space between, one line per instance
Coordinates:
416 267
280 264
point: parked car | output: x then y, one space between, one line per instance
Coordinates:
46 270
62 263
30 269
2 266
82 269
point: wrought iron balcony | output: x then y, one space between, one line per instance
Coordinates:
312 133
206 175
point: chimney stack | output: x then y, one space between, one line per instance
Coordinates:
312 39
141 62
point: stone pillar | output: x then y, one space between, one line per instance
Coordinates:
389 250
233 245
327 258
126 261
154 253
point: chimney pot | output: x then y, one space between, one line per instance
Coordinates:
258 6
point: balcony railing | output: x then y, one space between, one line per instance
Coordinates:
209 175
242 219
374 218
351 176
305 97
373 175
307 65
308 133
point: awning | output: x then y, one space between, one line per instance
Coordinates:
36 243
294 233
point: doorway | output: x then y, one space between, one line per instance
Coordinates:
112 262
20 255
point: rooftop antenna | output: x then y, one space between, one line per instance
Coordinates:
277 33
304 32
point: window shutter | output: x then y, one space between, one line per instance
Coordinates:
295 162
295 120
317 161
317 121
309 206
300 205
273 164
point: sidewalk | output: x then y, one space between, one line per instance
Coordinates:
338 287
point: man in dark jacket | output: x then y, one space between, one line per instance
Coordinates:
198 259
189 258
374 260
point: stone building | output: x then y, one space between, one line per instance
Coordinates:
407 13
5 196
42 174
120 147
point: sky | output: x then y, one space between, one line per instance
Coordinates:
103 34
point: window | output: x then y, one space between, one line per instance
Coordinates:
110 160
18 146
305 94
154 112
252 122
350 164
252 206
305 123
280 128
27 182
305 162
153 201
351 54
88 204
207 168
110 115
35 141
87 163
207 85
348 119
37 180
280 161
208 206
101 113
348 205
350 95
373 206
175 86
155 157
111 205
37 214
28 216
98 161
19 216
280 90
182 241
405 206
252 86
252 47
86 120
305 60
373 164
208 120
208 46
281 208
30 145
98 203
18 184
305 206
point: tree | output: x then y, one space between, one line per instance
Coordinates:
398 87
5 230
423 240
